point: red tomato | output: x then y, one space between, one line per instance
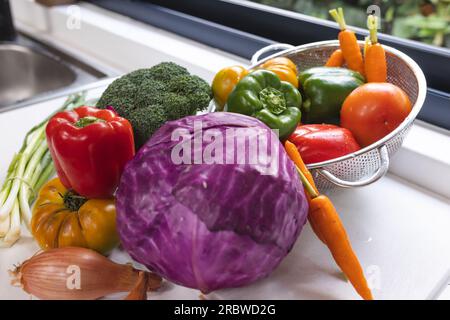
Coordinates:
321 142
373 110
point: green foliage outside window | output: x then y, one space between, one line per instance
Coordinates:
422 20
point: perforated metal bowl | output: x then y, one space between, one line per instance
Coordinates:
371 163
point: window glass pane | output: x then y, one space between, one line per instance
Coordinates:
422 20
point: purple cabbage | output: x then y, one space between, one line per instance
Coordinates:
209 226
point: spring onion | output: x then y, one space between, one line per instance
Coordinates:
28 171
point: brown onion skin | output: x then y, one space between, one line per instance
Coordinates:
45 275
139 292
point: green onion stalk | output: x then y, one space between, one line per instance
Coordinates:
29 169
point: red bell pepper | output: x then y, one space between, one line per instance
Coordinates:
90 148
321 142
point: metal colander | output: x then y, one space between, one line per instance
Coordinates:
371 163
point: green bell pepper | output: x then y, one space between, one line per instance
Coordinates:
261 94
325 90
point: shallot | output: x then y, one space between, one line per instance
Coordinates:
73 273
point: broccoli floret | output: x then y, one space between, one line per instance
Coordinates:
119 94
151 92
167 70
143 125
194 90
150 97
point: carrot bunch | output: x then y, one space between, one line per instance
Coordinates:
373 64
348 43
328 227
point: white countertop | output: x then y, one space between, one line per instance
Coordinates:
399 231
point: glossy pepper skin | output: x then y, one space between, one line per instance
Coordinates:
224 82
284 68
90 148
263 95
325 89
63 219
322 142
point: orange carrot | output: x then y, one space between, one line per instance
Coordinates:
336 59
348 43
374 57
324 215
293 153
313 223
328 227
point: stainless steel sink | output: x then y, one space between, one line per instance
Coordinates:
32 71
26 73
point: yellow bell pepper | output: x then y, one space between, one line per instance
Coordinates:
61 218
284 68
225 81
283 61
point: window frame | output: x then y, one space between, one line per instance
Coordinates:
243 27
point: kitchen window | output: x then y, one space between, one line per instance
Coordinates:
421 20
242 27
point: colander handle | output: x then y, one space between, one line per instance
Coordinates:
380 172
272 47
